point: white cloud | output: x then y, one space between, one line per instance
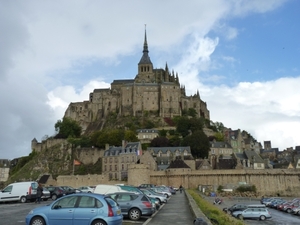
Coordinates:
44 43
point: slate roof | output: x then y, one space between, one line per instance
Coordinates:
253 156
178 163
131 147
171 149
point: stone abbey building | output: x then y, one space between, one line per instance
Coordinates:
153 92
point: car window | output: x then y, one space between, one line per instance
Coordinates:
8 189
87 202
111 202
68 202
34 186
123 198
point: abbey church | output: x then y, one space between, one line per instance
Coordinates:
155 92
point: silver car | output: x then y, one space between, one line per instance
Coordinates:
162 198
133 205
260 213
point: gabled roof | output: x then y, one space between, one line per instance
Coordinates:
253 156
178 163
220 144
131 147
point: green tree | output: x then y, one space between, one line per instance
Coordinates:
219 136
160 142
162 133
199 144
183 126
130 136
192 112
67 128
196 124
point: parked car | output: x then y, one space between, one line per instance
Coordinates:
56 192
162 198
133 205
19 191
296 211
289 207
107 189
129 188
46 194
235 207
260 213
82 208
162 191
68 190
146 186
86 189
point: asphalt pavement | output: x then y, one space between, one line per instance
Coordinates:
176 211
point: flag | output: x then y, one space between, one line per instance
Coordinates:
76 162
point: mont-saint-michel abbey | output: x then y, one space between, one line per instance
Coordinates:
156 91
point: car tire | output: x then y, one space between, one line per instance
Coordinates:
240 216
262 218
134 214
99 222
159 201
54 197
289 210
23 199
37 221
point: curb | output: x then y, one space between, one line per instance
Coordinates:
195 209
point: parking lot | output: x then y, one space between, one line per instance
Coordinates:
278 217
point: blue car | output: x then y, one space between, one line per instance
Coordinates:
77 209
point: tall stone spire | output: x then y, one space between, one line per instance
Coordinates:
145 58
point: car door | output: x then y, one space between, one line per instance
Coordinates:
62 212
124 200
248 213
7 194
87 209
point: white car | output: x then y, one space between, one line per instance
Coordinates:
86 189
162 191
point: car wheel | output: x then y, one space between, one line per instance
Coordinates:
167 196
298 213
159 201
54 197
37 221
288 210
262 218
99 222
240 217
134 214
23 199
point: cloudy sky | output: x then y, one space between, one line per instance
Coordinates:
242 56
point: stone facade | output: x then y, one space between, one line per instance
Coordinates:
152 93
117 159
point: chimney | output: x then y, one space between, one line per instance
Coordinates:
106 146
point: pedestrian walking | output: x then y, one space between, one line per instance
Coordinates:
39 193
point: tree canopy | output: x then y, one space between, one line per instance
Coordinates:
67 128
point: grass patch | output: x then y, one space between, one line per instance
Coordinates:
216 215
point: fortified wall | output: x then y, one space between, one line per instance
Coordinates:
268 182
